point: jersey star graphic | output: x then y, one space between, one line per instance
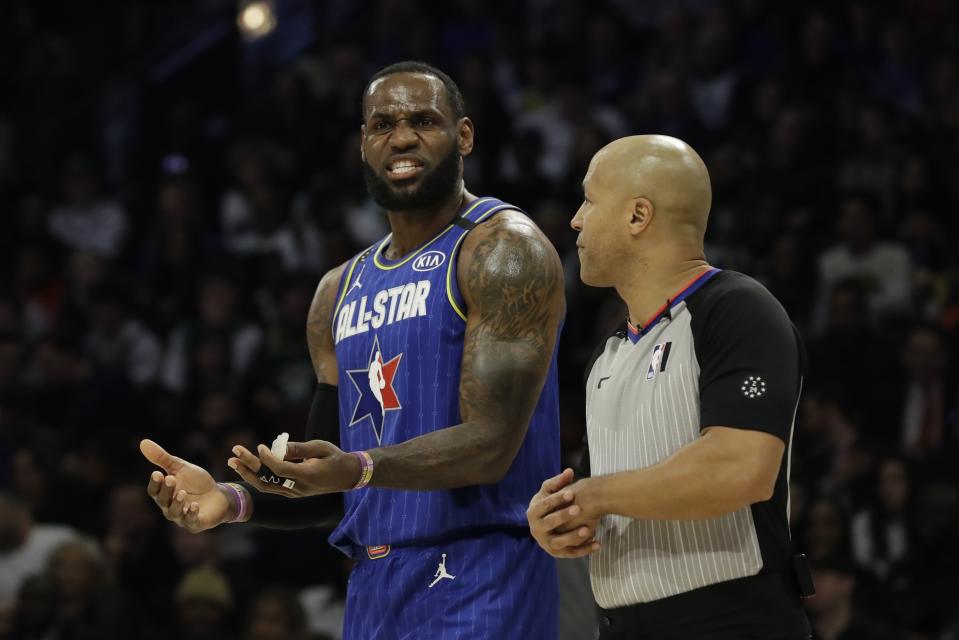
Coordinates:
375 386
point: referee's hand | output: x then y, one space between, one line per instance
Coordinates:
550 510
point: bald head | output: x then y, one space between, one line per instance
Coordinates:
646 201
664 170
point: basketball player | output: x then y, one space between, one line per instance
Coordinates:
436 350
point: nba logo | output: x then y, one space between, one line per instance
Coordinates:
658 361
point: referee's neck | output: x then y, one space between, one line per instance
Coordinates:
652 285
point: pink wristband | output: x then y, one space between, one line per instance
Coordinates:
366 469
241 501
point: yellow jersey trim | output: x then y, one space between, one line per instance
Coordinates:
345 285
449 267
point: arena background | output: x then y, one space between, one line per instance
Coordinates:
175 176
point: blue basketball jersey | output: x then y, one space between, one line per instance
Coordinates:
398 329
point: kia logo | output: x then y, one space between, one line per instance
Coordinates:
429 261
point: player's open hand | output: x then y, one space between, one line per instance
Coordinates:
557 522
186 494
308 469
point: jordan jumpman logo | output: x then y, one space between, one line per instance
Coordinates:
441 572
356 283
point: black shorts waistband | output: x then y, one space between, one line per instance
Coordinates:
708 600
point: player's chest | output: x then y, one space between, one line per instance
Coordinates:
389 301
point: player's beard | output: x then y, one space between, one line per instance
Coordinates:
434 189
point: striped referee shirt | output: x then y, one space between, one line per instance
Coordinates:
722 352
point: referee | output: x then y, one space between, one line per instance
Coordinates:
689 413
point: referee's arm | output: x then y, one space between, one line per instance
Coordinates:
723 470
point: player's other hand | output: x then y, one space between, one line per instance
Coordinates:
551 512
309 469
185 493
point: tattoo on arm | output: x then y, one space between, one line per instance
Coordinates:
319 327
514 292
512 282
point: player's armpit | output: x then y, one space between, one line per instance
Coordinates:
319 326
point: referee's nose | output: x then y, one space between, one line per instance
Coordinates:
577 222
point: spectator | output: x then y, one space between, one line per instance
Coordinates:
883 268
880 533
920 594
204 602
276 614
32 478
849 358
826 530
283 379
833 610
39 289
218 341
137 548
35 616
173 250
919 400
25 547
118 340
90 609
195 550
85 220
70 390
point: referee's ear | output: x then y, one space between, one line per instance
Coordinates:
642 215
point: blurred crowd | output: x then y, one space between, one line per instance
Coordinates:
171 193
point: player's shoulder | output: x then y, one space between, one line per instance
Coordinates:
508 222
332 278
735 301
510 231
326 291
506 254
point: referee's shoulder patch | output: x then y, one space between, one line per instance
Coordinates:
753 387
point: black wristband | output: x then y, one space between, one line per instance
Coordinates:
279 512
324 420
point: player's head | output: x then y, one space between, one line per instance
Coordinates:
641 193
414 136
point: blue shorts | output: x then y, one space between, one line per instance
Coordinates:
499 586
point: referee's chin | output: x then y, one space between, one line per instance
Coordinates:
592 279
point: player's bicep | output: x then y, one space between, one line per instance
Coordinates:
319 327
511 280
